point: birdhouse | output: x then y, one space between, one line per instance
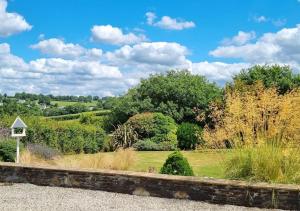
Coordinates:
18 128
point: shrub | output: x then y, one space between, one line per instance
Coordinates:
67 137
149 145
266 163
8 150
189 136
176 164
157 130
124 136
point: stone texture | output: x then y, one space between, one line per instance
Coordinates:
216 191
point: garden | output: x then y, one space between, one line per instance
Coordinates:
174 123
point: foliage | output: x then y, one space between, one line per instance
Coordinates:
189 135
149 145
277 76
70 109
253 116
176 94
267 163
13 107
124 136
158 130
8 150
176 164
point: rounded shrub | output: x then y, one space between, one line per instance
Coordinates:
155 129
176 164
8 150
189 136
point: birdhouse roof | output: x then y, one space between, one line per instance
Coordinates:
18 123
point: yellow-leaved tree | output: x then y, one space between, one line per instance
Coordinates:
254 116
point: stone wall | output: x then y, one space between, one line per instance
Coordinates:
200 189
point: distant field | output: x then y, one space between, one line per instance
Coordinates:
77 116
67 103
204 163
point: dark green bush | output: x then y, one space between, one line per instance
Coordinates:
67 137
149 145
189 136
176 164
8 150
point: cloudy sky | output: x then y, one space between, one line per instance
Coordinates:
83 47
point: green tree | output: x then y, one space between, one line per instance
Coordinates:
277 76
189 135
177 94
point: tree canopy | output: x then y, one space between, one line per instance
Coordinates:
176 94
277 76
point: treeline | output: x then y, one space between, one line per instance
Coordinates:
218 112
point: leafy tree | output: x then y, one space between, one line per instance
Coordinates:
176 164
177 94
278 76
189 135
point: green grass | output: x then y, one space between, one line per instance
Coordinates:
67 103
204 163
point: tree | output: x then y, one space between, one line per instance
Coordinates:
177 94
277 76
189 135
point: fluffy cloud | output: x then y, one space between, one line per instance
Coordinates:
167 22
58 75
218 71
114 35
160 53
11 23
282 46
58 48
240 39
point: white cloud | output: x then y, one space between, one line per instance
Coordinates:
280 47
11 23
161 53
218 71
58 48
240 39
279 22
260 19
58 75
167 22
115 36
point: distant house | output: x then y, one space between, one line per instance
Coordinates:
43 106
21 101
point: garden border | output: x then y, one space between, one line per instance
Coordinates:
218 191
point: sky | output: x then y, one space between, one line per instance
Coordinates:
104 47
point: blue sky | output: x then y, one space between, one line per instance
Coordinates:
104 47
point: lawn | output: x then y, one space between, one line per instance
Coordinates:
204 163
67 103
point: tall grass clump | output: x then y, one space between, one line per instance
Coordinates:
122 159
269 162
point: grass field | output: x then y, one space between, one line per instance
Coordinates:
204 163
67 103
